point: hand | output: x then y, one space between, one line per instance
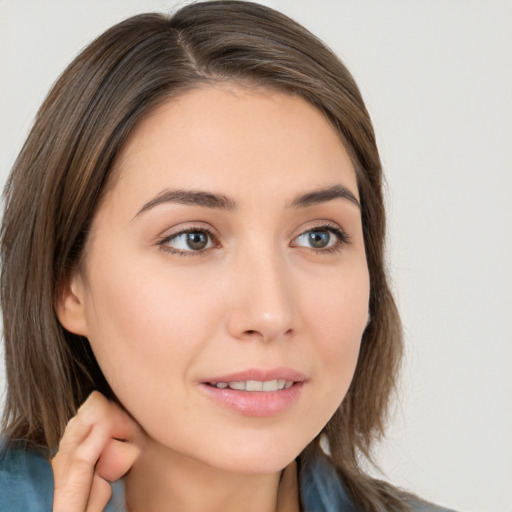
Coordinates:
99 446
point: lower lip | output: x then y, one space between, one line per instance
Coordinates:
255 403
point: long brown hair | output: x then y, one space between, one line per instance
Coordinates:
62 171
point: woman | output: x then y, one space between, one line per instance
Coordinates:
192 249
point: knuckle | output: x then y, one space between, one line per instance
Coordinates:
82 460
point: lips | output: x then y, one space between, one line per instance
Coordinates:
259 375
256 392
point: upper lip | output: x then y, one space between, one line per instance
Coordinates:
259 374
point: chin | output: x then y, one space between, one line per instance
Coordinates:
257 455
255 463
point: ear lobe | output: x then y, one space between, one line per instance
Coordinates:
70 306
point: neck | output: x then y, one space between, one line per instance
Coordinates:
164 481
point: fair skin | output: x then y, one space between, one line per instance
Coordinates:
260 277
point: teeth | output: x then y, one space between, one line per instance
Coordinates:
256 385
240 385
270 385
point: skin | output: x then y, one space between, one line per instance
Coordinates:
162 317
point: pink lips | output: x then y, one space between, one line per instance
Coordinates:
256 403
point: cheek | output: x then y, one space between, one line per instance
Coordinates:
338 318
147 334
145 327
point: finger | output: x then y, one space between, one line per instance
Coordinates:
73 472
107 416
99 495
79 427
116 459
93 439
84 439
75 432
124 427
121 425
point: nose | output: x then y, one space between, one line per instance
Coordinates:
262 303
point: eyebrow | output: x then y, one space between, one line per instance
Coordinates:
222 202
323 195
191 197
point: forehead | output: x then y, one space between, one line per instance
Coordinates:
237 139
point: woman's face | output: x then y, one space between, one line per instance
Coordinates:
225 288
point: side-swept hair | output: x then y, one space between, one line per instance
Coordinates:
61 173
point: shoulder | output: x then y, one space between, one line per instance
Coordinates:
418 505
26 480
423 506
321 490
320 487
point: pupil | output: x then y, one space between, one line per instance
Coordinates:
197 240
319 239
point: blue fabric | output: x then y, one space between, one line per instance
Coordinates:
26 485
320 488
26 481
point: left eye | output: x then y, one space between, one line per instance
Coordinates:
319 238
189 241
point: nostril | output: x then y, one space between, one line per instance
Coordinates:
266 336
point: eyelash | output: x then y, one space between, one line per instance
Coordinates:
342 239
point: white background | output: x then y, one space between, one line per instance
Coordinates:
437 79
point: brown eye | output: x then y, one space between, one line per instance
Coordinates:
197 240
189 241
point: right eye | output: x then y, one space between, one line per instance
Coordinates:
188 242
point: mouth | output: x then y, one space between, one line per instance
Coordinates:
256 392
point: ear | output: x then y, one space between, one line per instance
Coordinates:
70 305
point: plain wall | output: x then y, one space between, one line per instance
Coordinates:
437 79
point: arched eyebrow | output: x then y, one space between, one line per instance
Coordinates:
222 202
191 197
324 195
